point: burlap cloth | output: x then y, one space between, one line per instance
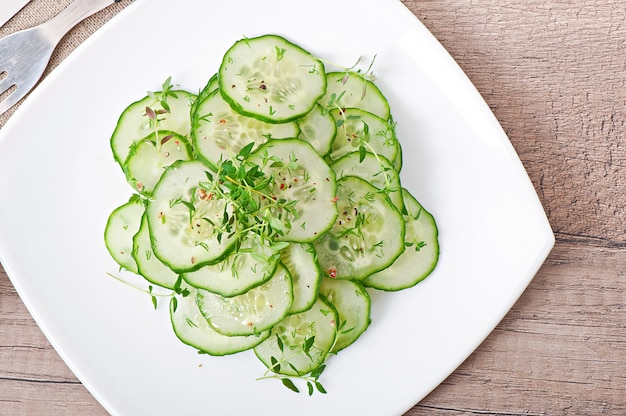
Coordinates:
38 11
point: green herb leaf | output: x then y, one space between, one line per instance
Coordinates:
154 299
275 365
280 343
320 388
362 153
289 384
245 151
308 344
318 371
293 367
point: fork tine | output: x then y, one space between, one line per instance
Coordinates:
5 83
28 52
21 86
12 98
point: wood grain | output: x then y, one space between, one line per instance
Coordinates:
554 74
560 351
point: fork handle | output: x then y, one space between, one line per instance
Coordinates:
77 11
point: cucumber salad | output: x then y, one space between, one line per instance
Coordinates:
268 205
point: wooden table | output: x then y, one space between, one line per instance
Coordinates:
554 73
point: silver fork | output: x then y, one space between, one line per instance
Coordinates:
24 55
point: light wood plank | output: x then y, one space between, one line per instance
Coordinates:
560 351
553 73
50 399
33 378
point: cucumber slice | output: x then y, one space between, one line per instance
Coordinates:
353 90
192 328
300 343
299 176
271 79
353 305
219 132
122 224
300 260
358 129
397 162
150 156
211 86
273 200
318 128
420 256
374 169
148 265
134 124
252 264
182 236
367 236
252 312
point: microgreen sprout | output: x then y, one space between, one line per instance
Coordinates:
366 76
150 290
160 108
311 379
251 204
362 138
239 215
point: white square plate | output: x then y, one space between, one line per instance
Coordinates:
59 183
